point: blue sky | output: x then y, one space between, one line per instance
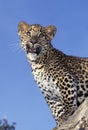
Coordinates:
20 97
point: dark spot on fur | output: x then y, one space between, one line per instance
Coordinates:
69 92
86 94
66 80
72 98
86 81
83 87
80 93
68 85
77 87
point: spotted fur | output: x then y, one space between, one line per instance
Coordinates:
62 79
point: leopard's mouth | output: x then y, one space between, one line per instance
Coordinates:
32 49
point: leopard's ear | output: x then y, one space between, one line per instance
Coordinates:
51 30
22 26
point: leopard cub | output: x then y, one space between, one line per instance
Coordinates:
62 79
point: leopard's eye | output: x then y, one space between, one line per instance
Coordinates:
41 35
28 33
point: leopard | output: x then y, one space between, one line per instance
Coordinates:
62 78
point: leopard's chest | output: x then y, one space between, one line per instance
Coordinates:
45 82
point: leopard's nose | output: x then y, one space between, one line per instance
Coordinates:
34 40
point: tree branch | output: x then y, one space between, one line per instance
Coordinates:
78 121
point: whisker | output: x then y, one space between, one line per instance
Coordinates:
15 47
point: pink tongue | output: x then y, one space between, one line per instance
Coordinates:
32 49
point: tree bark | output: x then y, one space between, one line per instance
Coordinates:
78 121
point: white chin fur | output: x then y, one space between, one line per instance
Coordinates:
32 56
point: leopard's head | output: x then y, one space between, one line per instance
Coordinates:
35 38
